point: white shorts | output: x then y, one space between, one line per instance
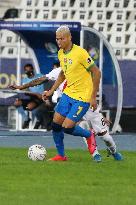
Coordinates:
95 120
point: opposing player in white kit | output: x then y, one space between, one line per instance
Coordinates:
96 120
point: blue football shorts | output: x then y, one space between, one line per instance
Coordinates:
71 108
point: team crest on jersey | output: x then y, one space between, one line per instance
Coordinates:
89 60
69 61
65 60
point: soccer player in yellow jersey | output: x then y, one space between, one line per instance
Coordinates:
81 90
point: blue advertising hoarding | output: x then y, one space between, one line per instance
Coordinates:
38 25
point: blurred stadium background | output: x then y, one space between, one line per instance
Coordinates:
114 19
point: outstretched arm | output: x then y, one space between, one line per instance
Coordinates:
33 83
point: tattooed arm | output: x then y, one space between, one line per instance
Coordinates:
33 83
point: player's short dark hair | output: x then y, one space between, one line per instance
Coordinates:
29 65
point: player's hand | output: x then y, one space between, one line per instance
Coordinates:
14 87
46 95
93 103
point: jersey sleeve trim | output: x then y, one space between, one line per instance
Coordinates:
89 68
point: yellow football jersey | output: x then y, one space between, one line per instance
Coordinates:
76 65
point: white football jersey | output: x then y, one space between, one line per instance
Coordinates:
53 75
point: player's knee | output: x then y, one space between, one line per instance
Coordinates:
68 130
67 127
68 124
102 133
56 127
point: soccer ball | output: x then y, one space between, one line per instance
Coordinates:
37 152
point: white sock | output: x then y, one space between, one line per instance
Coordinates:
95 152
109 142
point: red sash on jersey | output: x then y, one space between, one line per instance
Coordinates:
64 86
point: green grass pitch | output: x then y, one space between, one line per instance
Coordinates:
79 181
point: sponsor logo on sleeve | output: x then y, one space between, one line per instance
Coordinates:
89 60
